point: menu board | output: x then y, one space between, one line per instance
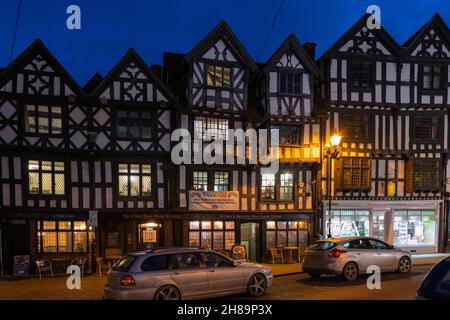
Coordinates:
239 253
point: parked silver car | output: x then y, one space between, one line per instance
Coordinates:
183 273
352 256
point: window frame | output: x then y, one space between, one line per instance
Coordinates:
277 230
340 174
140 111
50 116
434 180
211 179
355 70
215 85
57 230
223 230
40 172
351 122
277 188
285 72
436 121
442 77
222 127
283 128
140 174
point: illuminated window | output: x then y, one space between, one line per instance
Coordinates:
135 180
200 180
286 186
43 119
218 76
216 235
62 236
46 177
221 181
208 128
268 186
134 124
286 233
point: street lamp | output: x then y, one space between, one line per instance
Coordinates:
332 153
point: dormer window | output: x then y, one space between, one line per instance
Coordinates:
361 74
219 76
433 77
290 82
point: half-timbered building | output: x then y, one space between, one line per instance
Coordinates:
389 103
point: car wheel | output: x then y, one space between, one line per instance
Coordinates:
350 271
314 275
257 285
167 292
404 265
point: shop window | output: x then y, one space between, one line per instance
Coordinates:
277 187
360 74
135 180
46 177
426 128
433 77
290 82
288 135
210 180
43 119
348 223
286 233
357 127
414 228
134 124
353 174
149 234
425 174
216 235
218 76
209 128
62 236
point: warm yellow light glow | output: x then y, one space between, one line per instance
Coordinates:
151 225
335 139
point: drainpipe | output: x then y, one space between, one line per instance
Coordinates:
1 252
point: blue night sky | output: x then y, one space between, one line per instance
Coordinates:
109 28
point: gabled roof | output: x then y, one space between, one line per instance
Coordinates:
222 30
92 83
37 46
293 44
130 55
381 34
436 22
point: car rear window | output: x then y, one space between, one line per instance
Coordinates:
125 263
322 245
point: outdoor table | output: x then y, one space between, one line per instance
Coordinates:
290 249
60 263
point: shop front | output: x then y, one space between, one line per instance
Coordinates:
410 225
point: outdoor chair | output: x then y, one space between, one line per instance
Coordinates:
276 253
80 262
102 264
43 265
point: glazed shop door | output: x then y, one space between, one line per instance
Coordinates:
251 240
149 235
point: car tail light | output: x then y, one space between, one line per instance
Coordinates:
336 253
127 281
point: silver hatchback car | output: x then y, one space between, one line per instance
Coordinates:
352 256
183 273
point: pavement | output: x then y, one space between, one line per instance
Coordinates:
289 283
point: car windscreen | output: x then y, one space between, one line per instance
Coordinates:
322 245
437 283
125 263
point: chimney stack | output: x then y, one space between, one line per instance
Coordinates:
310 47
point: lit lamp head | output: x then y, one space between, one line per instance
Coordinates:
335 140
